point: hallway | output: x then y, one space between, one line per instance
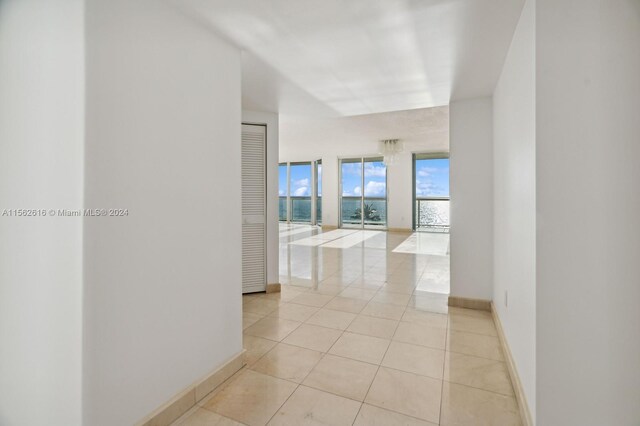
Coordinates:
361 334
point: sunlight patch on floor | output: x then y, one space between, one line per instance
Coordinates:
425 243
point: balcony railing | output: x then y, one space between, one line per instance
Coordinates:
300 209
375 211
282 208
433 214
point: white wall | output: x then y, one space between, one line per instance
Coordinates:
308 139
273 232
471 162
41 149
588 202
162 285
514 221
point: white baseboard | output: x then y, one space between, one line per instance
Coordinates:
469 303
525 414
189 397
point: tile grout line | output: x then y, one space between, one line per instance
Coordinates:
298 384
446 337
377 371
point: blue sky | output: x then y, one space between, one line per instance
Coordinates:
432 178
282 180
374 179
300 180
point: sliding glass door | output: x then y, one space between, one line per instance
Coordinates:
318 185
363 201
431 192
283 192
300 192
375 193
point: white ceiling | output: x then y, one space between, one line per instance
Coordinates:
349 57
421 130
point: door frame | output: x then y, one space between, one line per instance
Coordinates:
256 289
414 158
363 160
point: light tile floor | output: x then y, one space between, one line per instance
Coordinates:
362 336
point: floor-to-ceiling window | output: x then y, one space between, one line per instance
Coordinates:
431 192
318 180
375 193
363 201
283 192
300 192
300 189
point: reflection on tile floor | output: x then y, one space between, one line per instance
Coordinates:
361 335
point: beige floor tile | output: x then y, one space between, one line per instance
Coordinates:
402 278
474 344
260 306
472 325
286 293
367 284
246 298
378 275
288 362
371 415
252 398
435 303
420 334
272 328
477 372
331 319
400 288
431 319
383 310
434 284
360 347
342 376
328 289
311 407
399 299
358 293
337 281
406 393
312 299
294 312
255 347
204 401
203 417
248 319
462 405
415 359
313 337
372 326
346 304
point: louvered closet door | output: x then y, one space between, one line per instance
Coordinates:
253 208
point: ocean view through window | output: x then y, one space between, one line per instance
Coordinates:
363 201
431 192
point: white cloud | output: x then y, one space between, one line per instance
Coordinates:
300 188
351 169
357 191
375 189
427 171
370 169
303 191
282 192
